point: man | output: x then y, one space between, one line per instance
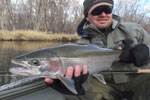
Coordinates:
104 29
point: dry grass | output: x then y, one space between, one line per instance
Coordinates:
29 35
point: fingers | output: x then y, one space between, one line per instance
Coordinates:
119 47
77 71
118 59
49 80
69 72
84 69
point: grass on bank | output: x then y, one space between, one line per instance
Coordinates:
29 35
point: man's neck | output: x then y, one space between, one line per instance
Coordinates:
107 30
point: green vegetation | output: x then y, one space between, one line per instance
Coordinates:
28 35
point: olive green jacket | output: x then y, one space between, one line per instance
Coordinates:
112 38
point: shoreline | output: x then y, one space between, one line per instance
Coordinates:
29 35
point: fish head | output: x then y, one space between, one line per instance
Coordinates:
41 63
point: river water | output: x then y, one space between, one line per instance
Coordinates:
8 50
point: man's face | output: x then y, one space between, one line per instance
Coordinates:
102 20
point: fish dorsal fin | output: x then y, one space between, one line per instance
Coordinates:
69 83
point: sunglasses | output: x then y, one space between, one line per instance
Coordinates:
103 8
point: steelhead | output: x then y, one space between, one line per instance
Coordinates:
52 62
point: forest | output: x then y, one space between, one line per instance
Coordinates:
63 16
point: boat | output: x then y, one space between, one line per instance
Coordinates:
31 88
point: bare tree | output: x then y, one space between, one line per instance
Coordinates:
133 11
3 14
62 16
39 13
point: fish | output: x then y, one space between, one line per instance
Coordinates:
53 61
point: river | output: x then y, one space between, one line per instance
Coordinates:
10 49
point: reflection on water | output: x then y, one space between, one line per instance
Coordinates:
8 50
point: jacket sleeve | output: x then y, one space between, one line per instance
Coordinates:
144 37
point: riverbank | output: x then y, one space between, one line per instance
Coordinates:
29 35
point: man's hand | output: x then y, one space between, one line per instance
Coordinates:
78 74
136 54
69 72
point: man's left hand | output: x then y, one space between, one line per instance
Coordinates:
138 54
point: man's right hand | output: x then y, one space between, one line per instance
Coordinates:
78 74
69 72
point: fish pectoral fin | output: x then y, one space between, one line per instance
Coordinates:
100 77
69 83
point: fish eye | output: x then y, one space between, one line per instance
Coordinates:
34 62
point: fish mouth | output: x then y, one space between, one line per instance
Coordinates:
22 64
24 71
23 68
17 63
